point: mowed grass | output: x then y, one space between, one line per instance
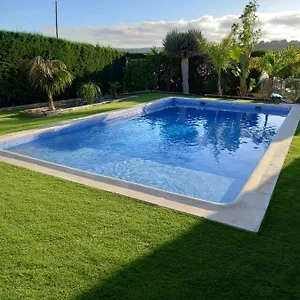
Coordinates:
13 121
61 240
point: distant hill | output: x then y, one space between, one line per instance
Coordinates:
273 45
276 45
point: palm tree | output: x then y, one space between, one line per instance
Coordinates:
219 56
89 92
184 45
278 64
49 75
241 62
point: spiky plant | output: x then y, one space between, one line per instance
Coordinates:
184 45
51 76
89 92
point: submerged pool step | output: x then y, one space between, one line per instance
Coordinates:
180 180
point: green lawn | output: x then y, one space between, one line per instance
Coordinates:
13 121
61 240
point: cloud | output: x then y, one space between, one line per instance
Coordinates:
283 25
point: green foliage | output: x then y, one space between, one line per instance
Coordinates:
219 57
51 76
89 92
245 36
241 68
248 33
113 88
139 75
283 63
252 84
292 90
219 53
183 44
86 63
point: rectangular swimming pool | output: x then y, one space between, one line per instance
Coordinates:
196 148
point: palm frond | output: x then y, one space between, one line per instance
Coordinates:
49 75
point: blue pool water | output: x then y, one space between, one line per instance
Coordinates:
203 153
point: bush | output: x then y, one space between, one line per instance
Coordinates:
89 92
139 75
113 88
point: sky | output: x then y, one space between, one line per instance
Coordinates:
144 23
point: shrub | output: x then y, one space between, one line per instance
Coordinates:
89 92
113 88
139 75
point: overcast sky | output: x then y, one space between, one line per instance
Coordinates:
143 23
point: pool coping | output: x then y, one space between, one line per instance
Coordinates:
246 212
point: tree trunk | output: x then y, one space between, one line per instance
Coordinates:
185 75
270 87
51 103
220 91
243 90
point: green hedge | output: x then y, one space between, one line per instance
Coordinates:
86 62
139 75
100 65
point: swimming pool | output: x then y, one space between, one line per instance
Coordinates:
201 149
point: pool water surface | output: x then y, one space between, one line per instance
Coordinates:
206 153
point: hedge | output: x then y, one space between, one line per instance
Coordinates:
86 62
101 65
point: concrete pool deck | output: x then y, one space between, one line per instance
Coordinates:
246 212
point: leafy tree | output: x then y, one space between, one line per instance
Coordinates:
184 45
245 34
219 56
89 92
51 76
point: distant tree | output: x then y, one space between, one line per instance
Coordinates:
246 35
184 45
89 92
219 56
49 75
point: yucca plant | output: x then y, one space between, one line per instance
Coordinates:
49 75
184 45
89 92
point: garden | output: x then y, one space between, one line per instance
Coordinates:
39 69
64 240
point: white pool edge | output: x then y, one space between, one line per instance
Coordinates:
246 212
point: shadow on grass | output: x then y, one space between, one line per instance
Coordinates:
213 261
